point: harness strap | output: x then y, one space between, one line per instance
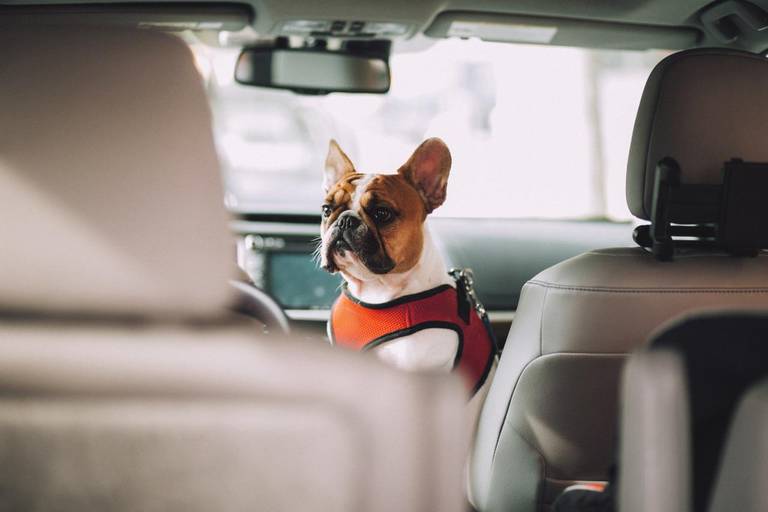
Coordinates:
361 326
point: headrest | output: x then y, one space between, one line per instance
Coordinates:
109 182
701 107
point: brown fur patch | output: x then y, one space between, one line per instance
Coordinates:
402 239
339 196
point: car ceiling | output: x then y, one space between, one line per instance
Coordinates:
422 12
587 18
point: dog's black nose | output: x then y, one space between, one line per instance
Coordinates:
347 222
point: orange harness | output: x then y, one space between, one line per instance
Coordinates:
360 326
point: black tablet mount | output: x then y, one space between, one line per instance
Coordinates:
731 217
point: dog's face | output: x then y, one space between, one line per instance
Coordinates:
373 223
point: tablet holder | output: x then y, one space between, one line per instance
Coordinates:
730 217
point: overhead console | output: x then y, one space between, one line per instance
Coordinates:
510 28
344 28
737 23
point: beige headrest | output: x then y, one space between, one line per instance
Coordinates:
109 182
701 107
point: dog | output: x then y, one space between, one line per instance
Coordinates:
398 298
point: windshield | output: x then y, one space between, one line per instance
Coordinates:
535 131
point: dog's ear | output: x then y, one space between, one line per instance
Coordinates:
337 165
427 170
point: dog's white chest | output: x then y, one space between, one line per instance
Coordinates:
429 349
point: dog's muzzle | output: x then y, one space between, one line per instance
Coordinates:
350 233
343 237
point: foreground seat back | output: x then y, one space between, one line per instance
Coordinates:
124 382
655 472
550 416
740 484
169 418
686 444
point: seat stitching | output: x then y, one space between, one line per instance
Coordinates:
606 289
541 322
512 391
542 465
586 354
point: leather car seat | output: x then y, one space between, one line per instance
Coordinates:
125 382
550 416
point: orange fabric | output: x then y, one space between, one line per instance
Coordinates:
360 326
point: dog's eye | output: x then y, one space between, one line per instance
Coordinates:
382 215
327 209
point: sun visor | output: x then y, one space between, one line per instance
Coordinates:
167 17
560 31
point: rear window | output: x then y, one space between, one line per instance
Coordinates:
535 131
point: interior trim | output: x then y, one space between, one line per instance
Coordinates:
322 315
176 16
311 315
493 26
245 227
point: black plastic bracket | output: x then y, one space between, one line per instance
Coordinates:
744 213
667 178
732 217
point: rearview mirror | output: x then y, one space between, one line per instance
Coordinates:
312 71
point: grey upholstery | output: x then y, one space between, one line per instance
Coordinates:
655 432
744 469
108 174
195 418
550 416
701 107
124 382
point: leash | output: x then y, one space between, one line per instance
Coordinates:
465 287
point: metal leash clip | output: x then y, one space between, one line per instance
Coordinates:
466 278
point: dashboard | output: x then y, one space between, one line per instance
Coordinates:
277 253
283 265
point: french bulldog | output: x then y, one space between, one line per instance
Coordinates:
398 299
